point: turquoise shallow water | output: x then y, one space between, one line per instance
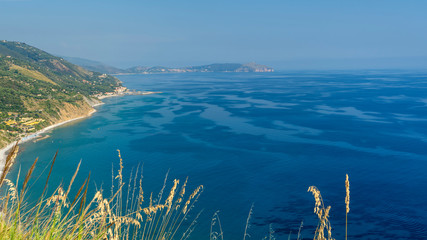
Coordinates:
263 139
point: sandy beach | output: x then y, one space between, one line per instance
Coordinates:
4 151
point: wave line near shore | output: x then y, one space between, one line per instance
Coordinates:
4 151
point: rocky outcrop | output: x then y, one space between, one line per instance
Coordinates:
92 101
70 111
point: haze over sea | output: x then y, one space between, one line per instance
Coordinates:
264 138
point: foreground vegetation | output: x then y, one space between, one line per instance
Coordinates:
125 214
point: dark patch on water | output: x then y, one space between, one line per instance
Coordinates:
264 139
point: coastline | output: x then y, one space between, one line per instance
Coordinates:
125 94
4 151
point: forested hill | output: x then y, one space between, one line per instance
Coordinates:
38 89
23 62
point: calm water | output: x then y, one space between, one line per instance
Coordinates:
264 139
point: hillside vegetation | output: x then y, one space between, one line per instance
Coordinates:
37 89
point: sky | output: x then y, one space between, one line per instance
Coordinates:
301 34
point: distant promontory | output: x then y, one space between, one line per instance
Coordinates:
216 67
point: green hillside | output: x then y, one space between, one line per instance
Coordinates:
38 89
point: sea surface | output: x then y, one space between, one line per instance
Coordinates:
263 139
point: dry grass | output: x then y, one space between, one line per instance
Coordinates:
123 215
322 213
32 74
347 202
323 230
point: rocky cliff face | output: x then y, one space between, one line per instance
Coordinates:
71 111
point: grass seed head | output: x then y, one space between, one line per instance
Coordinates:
347 195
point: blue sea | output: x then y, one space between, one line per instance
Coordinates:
263 138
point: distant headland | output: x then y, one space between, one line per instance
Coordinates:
216 67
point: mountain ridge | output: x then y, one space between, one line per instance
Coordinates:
215 67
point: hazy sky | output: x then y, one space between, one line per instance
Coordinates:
285 34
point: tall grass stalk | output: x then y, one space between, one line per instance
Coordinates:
322 213
125 214
347 202
122 215
216 223
248 219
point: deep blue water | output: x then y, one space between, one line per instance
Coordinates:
264 139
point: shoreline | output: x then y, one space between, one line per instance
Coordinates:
126 94
4 151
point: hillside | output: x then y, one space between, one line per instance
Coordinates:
38 89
